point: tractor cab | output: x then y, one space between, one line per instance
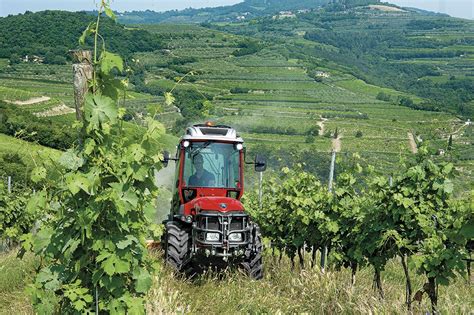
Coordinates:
209 170
209 184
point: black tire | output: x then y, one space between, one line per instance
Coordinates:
177 246
253 263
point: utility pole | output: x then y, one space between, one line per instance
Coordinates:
324 253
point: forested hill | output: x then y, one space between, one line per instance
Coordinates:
247 9
50 34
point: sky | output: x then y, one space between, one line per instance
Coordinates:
458 8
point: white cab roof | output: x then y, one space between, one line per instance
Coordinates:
212 133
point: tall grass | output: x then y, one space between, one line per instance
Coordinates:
283 290
15 275
306 290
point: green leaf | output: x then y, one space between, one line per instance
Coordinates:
448 186
89 146
99 110
42 239
109 265
88 31
122 266
37 202
468 230
48 279
109 61
169 99
136 152
127 242
143 281
38 174
150 211
77 181
108 11
448 168
70 161
113 264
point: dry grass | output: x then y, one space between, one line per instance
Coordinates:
282 291
300 291
15 274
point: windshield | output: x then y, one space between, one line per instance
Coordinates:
211 164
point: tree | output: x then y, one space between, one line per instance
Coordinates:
15 59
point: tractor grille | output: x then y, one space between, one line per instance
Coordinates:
237 224
214 222
209 223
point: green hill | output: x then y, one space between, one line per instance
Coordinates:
247 9
429 56
51 34
290 85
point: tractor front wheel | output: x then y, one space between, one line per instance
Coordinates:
253 263
177 246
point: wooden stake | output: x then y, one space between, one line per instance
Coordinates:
83 73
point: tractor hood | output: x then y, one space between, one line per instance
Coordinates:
221 204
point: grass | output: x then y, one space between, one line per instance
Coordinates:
30 152
15 275
299 291
362 87
282 290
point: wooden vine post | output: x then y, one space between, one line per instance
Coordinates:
83 73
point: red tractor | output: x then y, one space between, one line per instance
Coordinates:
207 224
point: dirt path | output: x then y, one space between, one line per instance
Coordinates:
336 144
56 111
467 123
31 101
321 125
413 147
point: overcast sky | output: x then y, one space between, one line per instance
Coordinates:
459 8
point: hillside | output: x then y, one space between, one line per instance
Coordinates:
288 107
291 85
51 34
376 95
428 56
246 10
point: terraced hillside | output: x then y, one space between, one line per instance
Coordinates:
291 116
426 55
289 100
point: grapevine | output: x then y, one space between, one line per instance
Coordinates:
93 247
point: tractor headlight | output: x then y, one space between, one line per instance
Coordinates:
235 237
212 237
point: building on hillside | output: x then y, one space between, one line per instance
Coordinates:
33 58
284 15
321 74
304 11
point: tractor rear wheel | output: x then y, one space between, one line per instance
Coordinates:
177 246
253 263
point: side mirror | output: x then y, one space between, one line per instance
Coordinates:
260 163
166 158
